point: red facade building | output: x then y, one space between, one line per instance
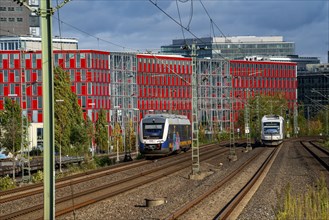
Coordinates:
265 78
21 71
164 84
145 83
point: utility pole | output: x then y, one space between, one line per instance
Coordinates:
195 124
232 155
45 12
48 110
247 119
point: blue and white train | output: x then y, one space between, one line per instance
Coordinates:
164 134
272 130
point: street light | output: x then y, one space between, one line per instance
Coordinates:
117 135
92 138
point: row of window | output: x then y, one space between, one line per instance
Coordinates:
15 75
167 79
73 60
68 60
157 104
256 67
2 19
14 89
11 8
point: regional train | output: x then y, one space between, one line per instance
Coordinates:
164 134
272 130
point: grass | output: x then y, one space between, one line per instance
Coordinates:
313 205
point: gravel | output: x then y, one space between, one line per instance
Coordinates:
293 166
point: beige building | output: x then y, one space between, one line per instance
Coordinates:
17 20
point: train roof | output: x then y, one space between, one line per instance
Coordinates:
165 116
272 117
161 118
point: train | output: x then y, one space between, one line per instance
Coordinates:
164 134
272 133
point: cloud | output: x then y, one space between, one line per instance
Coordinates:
141 25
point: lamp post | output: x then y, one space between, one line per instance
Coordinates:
93 134
136 131
117 135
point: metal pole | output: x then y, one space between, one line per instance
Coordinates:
48 110
117 139
195 124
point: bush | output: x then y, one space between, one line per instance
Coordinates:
103 161
89 165
7 183
38 177
312 205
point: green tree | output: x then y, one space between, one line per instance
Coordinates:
101 131
70 132
202 133
117 140
11 120
130 136
323 118
12 132
90 131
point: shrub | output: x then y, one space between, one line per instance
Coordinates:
38 177
7 183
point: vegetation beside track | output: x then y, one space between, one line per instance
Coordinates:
312 205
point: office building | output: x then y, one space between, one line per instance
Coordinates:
17 20
232 48
313 91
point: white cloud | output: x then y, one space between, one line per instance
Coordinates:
139 24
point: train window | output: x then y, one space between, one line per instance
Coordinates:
153 131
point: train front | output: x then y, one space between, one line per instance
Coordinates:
152 136
272 131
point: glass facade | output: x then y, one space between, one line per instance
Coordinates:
232 48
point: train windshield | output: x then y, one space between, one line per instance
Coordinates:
152 131
271 130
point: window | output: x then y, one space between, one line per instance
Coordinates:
19 19
39 102
17 76
78 86
3 9
39 76
11 9
11 19
5 75
12 88
89 87
1 89
3 19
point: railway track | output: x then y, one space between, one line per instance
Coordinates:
319 153
82 177
65 204
228 209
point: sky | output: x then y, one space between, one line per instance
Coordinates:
146 25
